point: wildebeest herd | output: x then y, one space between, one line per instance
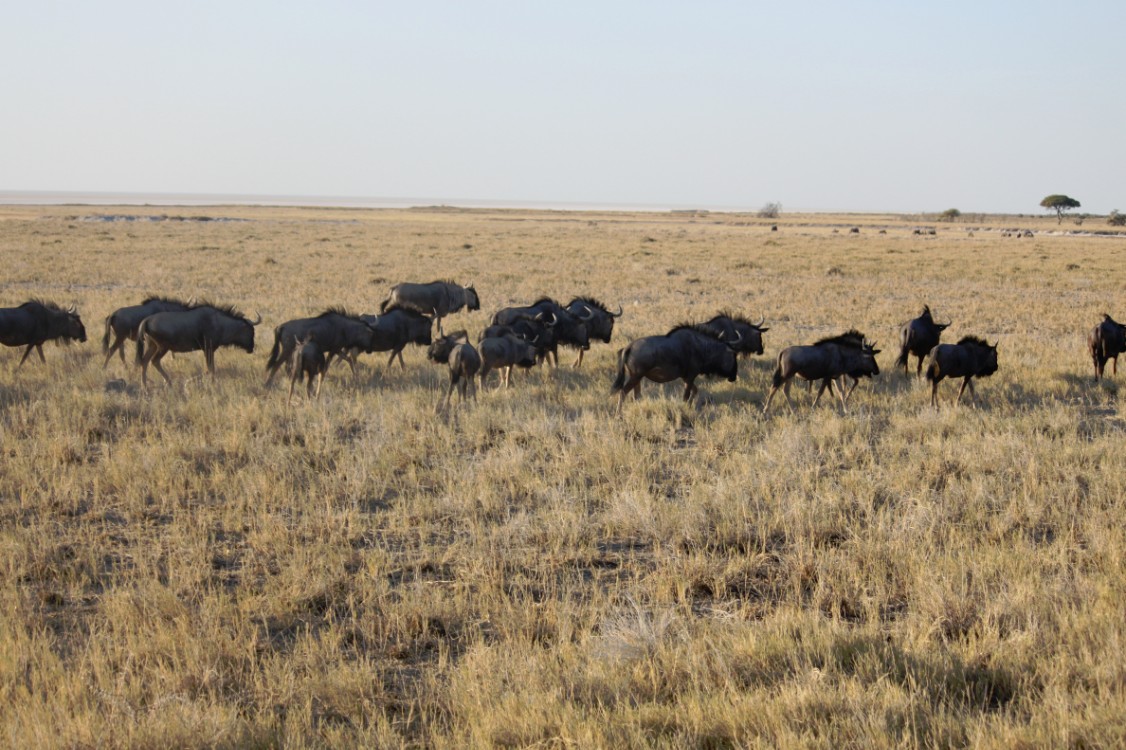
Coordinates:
516 337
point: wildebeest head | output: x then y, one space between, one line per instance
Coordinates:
472 301
984 355
597 318
733 327
240 330
439 351
68 325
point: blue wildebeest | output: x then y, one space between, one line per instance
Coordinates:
35 322
918 337
597 317
308 361
436 299
504 353
734 327
685 352
567 328
397 327
1106 341
971 357
336 333
535 332
122 323
464 362
205 328
827 360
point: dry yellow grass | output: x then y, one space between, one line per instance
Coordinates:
199 566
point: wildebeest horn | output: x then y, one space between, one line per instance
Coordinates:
258 318
589 314
72 310
618 314
761 320
736 340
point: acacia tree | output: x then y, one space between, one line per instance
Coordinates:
1059 204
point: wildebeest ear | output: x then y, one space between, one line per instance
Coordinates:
876 351
764 329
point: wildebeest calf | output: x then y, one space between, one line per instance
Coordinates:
464 363
971 357
505 352
1106 341
309 361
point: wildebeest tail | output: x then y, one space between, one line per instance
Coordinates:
275 352
141 342
932 370
105 337
778 380
903 354
620 381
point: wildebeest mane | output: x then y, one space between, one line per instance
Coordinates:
734 318
543 300
699 328
229 310
45 303
973 341
336 310
1108 319
167 300
590 301
852 338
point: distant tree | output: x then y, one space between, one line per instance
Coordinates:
1059 204
770 211
950 214
1116 219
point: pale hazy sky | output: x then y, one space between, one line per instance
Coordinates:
866 106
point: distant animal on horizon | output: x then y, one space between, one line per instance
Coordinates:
970 358
35 322
918 337
436 299
1106 341
205 328
122 323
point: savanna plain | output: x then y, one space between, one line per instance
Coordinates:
204 566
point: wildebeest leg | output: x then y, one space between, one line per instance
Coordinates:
578 360
24 357
1114 365
825 383
156 363
115 347
840 384
293 378
934 393
39 348
965 382
690 390
438 318
973 392
399 354
507 376
391 361
918 370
